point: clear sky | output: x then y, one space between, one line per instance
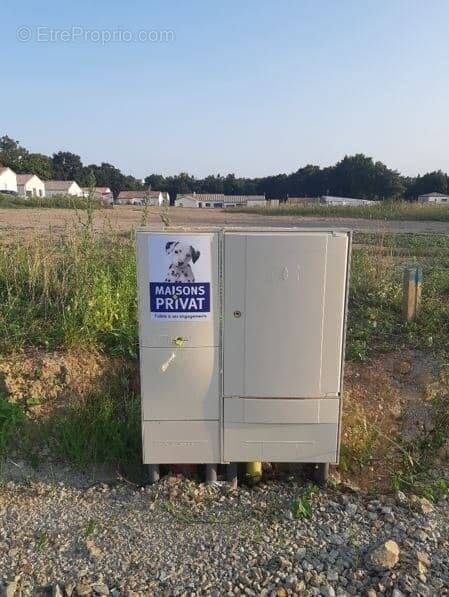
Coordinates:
253 87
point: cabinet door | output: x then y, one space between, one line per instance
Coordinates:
180 383
274 313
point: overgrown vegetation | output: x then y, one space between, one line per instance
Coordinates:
375 321
79 290
419 456
75 290
11 421
57 201
382 210
100 430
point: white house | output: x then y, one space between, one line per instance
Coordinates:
433 198
30 185
62 187
8 180
153 198
302 201
219 201
103 193
331 200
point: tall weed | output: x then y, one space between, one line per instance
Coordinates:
379 210
76 290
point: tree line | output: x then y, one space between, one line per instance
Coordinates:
64 165
353 176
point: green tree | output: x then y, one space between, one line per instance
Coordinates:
432 182
12 154
67 166
155 182
39 164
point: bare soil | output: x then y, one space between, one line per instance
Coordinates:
125 218
388 402
43 382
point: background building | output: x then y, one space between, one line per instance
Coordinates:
30 185
62 187
219 201
331 200
8 180
152 198
103 193
433 198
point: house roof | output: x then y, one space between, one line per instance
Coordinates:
98 189
58 185
133 194
4 168
139 194
24 178
434 195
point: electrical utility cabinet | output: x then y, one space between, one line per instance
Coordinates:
242 343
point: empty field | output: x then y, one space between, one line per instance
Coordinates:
125 218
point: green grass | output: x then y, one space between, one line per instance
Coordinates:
381 210
76 291
99 430
79 291
57 201
375 322
302 506
12 419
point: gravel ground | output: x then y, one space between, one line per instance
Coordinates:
181 538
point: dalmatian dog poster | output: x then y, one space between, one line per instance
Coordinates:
180 275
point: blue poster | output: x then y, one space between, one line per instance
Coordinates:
180 277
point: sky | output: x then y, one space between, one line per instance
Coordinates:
253 87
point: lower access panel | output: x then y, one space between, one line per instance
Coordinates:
182 442
180 383
248 442
277 430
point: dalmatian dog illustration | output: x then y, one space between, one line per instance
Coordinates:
180 269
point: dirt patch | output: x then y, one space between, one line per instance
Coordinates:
121 219
389 404
43 382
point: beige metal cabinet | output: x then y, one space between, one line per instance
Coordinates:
241 344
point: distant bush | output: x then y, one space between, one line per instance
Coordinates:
57 201
379 210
